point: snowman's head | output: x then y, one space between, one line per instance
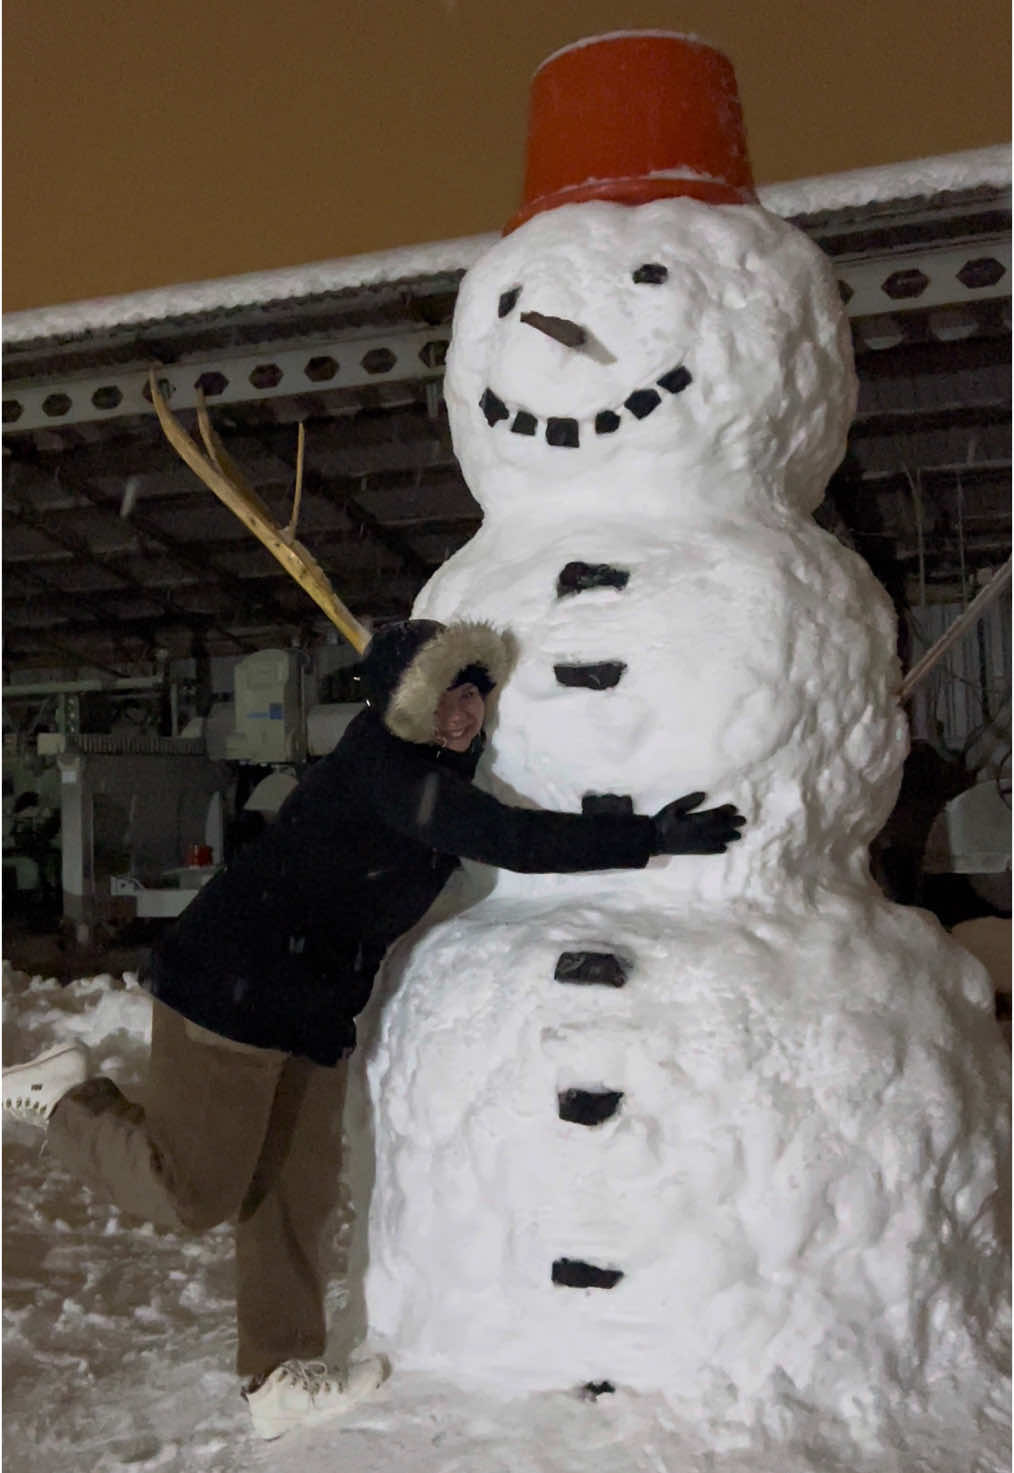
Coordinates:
704 339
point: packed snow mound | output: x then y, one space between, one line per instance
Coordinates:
110 1015
799 1176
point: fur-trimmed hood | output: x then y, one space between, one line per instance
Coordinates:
408 667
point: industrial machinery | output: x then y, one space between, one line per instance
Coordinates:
106 826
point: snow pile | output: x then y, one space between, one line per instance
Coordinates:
111 1016
798 1197
107 1327
731 1130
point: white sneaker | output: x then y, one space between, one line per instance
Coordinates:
32 1091
302 1393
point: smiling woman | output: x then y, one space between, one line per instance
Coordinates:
459 715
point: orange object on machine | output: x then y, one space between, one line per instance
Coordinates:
635 116
198 856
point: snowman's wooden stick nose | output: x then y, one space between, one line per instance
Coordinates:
570 334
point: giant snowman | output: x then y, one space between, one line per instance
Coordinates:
727 1129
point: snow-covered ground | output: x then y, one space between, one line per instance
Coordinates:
118 1342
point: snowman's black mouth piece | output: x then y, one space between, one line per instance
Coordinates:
566 432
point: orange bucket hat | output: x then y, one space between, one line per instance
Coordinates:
634 116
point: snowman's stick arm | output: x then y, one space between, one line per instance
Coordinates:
220 474
220 457
996 585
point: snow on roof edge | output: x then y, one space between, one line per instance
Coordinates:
252 289
913 179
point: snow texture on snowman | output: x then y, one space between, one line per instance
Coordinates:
729 1128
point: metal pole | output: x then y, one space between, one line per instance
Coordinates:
75 687
961 625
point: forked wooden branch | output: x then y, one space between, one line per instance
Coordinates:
221 474
290 530
220 457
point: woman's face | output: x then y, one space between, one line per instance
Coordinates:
460 713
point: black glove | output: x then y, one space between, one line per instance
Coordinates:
678 831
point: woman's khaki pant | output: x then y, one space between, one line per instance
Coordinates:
227 1133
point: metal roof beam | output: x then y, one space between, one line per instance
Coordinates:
80 548
270 372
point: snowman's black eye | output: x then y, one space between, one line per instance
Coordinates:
508 301
652 273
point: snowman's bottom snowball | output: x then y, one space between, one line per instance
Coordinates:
792 1193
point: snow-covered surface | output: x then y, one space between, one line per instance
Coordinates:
974 168
253 289
910 180
799 1188
119 1340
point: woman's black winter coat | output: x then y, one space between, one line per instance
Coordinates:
280 949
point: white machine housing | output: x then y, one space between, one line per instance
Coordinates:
268 712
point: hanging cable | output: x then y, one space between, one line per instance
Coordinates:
961 539
915 486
